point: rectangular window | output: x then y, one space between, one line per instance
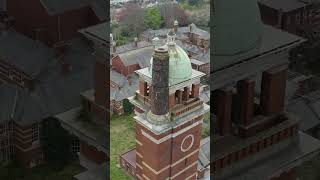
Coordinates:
288 20
35 132
298 18
75 146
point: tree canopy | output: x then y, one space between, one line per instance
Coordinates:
153 18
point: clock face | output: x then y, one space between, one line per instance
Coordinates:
187 143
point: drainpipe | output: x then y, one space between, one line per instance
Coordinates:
280 17
59 28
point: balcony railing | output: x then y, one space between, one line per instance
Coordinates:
144 99
187 107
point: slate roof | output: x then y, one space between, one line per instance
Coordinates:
126 90
140 56
131 46
98 173
89 131
55 7
203 57
308 113
99 32
285 5
272 39
180 33
204 153
54 93
15 47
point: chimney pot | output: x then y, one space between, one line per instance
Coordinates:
135 42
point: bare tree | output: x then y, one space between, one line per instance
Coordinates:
171 12
132 20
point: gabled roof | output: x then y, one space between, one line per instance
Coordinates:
140 56
54 93
27 55
180 33
99 32
125 89
55 7
131 46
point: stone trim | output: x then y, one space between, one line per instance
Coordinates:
185 157
183 141
146 177
139 154
161 140
157 141
138 176
172 177
138 142
153 170
194 174
138 165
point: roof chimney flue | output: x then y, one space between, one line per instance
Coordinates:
135 42
159 113
175 26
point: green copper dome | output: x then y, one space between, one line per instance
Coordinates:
179 64
237 26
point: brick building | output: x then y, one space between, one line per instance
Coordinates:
128 58
54 21
254 136
169 115
291 15
38 81
91 128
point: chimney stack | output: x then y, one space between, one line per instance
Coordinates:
114 47
111 37
160 82
280 18
135 42
175 26
156 42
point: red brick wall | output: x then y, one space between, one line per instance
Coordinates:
268 15
254 148
290 175
121 68
92 153
33 15
159 156
25 152
224 105
273 89
118 65
25 158
101 84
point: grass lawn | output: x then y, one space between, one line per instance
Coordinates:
206 130
122 139
43 172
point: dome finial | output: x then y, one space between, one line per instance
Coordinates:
175 26
171 37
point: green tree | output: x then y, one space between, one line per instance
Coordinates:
127 106
153 18
56 143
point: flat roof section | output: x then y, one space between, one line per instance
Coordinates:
272 40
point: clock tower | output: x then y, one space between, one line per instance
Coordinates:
169 116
